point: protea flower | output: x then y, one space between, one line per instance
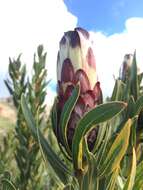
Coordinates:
76 64
125 67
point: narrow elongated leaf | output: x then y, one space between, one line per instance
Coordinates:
111 180
75 183
133 131
58 166
118 91
131 107
120 182
114 96
54 117
139 105
139 169
138 185
65 115
7 184
101 153
134 79
140 76
130 181
100 136
85 182
98 115
117 151
127 91
9 87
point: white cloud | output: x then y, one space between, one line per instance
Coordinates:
24 24
110 51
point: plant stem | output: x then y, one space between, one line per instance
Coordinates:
79 176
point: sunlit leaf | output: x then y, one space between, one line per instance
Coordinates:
111 180
98 115
130 181
138 185
117 151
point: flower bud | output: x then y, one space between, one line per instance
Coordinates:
125 67
76 65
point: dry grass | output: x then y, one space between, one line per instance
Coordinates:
7 112
7 118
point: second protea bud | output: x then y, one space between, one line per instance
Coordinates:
76 65
125 67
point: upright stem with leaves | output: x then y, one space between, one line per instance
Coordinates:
27 151
36 96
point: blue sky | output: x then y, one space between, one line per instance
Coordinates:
108 16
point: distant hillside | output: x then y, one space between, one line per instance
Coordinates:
7 112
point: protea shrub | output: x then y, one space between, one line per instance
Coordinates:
96 139
76 65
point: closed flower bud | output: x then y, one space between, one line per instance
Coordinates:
125 67
124 74
76 65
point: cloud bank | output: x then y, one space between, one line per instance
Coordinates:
110 51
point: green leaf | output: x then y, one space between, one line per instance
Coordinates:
140 77
134 79
116 152
58 166
7 83
40 50
54 117
130 181
85 185
131 107
139 105
118 91
120 182
133 131
100 137
7 184
101 153
111 180
98 115
138 185
127 91
23 74
65 116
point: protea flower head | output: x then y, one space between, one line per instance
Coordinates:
125 67
76 65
